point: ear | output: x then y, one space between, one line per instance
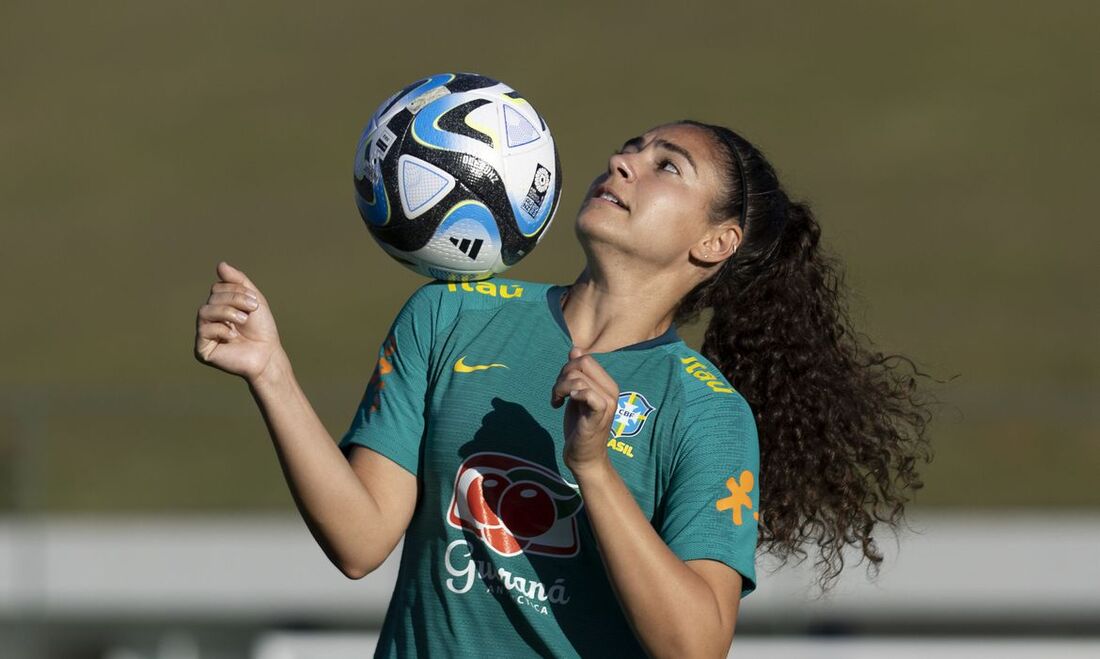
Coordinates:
718 244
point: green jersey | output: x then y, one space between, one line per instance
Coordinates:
500 559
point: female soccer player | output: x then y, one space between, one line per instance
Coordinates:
570 477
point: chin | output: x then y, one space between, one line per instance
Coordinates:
597 218
590 227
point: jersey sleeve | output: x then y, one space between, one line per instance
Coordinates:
711 503
391 416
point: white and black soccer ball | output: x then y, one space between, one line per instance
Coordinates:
457 176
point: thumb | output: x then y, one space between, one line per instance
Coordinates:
231 275
575 352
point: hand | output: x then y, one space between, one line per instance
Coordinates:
593 398
235 331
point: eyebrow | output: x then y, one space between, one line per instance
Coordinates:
639 143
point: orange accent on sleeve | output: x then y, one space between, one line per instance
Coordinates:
738 497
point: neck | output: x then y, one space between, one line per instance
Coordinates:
605 314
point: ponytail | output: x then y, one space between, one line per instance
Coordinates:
841 425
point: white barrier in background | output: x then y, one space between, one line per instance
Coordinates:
357 646
965 567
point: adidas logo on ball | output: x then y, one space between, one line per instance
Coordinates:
468 247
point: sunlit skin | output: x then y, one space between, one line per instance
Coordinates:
641 261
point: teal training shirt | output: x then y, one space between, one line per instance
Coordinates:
499 559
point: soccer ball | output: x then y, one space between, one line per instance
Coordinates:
457 176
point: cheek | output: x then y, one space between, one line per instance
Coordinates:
675 219
679 224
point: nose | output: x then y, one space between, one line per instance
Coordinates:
620 164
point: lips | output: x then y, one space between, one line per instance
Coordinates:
605 193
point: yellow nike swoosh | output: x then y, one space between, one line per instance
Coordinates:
462 367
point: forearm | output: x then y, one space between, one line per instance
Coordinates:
337 508
671 608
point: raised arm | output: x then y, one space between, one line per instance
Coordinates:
357 510
677 608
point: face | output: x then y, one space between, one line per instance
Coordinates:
653 205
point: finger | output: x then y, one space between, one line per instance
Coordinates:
594 399
596 371
242 301
588 365
221 313
566 383
220 332
225 287
558 394
229 274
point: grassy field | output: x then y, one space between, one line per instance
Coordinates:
948 149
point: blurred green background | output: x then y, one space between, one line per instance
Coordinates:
948 149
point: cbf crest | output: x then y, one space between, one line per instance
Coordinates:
631 414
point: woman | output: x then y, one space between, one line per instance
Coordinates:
590 485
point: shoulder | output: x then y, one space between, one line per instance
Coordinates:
704 388
713 418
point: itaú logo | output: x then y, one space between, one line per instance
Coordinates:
515 506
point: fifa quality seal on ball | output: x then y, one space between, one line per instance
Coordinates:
457 176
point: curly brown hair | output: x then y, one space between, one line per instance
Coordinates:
841 425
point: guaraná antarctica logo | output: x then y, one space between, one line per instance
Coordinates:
515 506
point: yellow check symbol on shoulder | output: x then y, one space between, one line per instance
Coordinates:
462 367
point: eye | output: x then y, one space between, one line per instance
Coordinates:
668 166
